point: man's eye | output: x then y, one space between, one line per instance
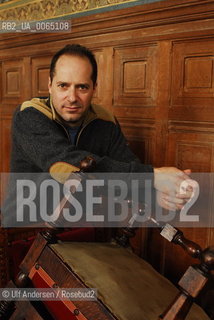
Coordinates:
83 87
62 85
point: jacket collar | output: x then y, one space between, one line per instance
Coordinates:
45 106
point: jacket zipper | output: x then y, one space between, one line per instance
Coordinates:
64 129
79 134
81 130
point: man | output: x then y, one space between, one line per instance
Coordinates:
66 127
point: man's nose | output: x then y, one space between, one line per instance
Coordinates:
72 96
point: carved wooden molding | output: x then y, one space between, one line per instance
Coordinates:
191 126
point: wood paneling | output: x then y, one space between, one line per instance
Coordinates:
193 73
12 81
191 150
193 155
5 127
140 135
40 75
191 145
135 80
103 93
192 80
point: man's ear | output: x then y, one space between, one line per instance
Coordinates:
49 85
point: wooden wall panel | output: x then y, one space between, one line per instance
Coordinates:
103 94
140 135
191 150
135 80
40 75
192 80
12 80
194 155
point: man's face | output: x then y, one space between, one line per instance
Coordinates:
72 88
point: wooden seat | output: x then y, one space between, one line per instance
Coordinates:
128 287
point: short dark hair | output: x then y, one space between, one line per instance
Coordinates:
75 50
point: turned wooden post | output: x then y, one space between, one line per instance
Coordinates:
193 280
53 228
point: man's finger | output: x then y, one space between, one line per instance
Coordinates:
186 195
188 171
175 200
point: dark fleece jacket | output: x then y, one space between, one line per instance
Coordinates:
39 139
41 142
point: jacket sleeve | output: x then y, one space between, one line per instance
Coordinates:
43 143
118 147
119 150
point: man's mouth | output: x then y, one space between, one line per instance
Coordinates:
72 108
